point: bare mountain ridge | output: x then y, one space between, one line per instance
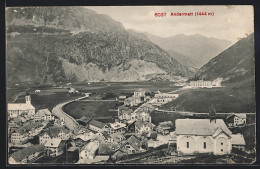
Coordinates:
53 44
234 65
198 48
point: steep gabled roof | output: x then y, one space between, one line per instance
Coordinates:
97 123
117 125
91 147
19 106
203 127
166 124
25 152
240 115
238 139
54 131
134 142
107 148
81 128
21 130
44 112
53 143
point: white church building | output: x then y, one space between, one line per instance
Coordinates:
203 136
16 109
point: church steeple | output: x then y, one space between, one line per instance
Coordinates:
28 98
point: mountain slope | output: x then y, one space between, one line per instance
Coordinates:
234 65
49 44
184 60
197 47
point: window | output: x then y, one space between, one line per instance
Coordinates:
221 150
188 144
205 145
221 143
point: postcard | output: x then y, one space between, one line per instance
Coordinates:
130 85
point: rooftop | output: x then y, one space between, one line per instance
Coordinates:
44 112
140 123
117 125
55 130
21 154
97 123
240 115
238 139
20 106
166 124
53 143
91 147
166 95
200 127
107 148
134 142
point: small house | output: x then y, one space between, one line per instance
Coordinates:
25 155
107 148
143 127
97 126
43 114
236 119
54 133
19 136
116 127
89 150
139 93
132 145
54 147
165 127
238 141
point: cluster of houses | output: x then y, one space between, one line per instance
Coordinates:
136 99
132 132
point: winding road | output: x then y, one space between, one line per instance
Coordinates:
70 122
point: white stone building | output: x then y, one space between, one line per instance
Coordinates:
202 136
16 109
139 93
201 83
236 119
89 150
163 98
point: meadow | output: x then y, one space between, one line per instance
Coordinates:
222 99
92 109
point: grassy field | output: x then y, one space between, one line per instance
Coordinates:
93 109
223 100
159 117
124 87
48 98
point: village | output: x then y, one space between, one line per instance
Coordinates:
38 136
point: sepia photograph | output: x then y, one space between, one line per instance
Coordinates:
130 85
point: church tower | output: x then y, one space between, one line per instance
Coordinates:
28 98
